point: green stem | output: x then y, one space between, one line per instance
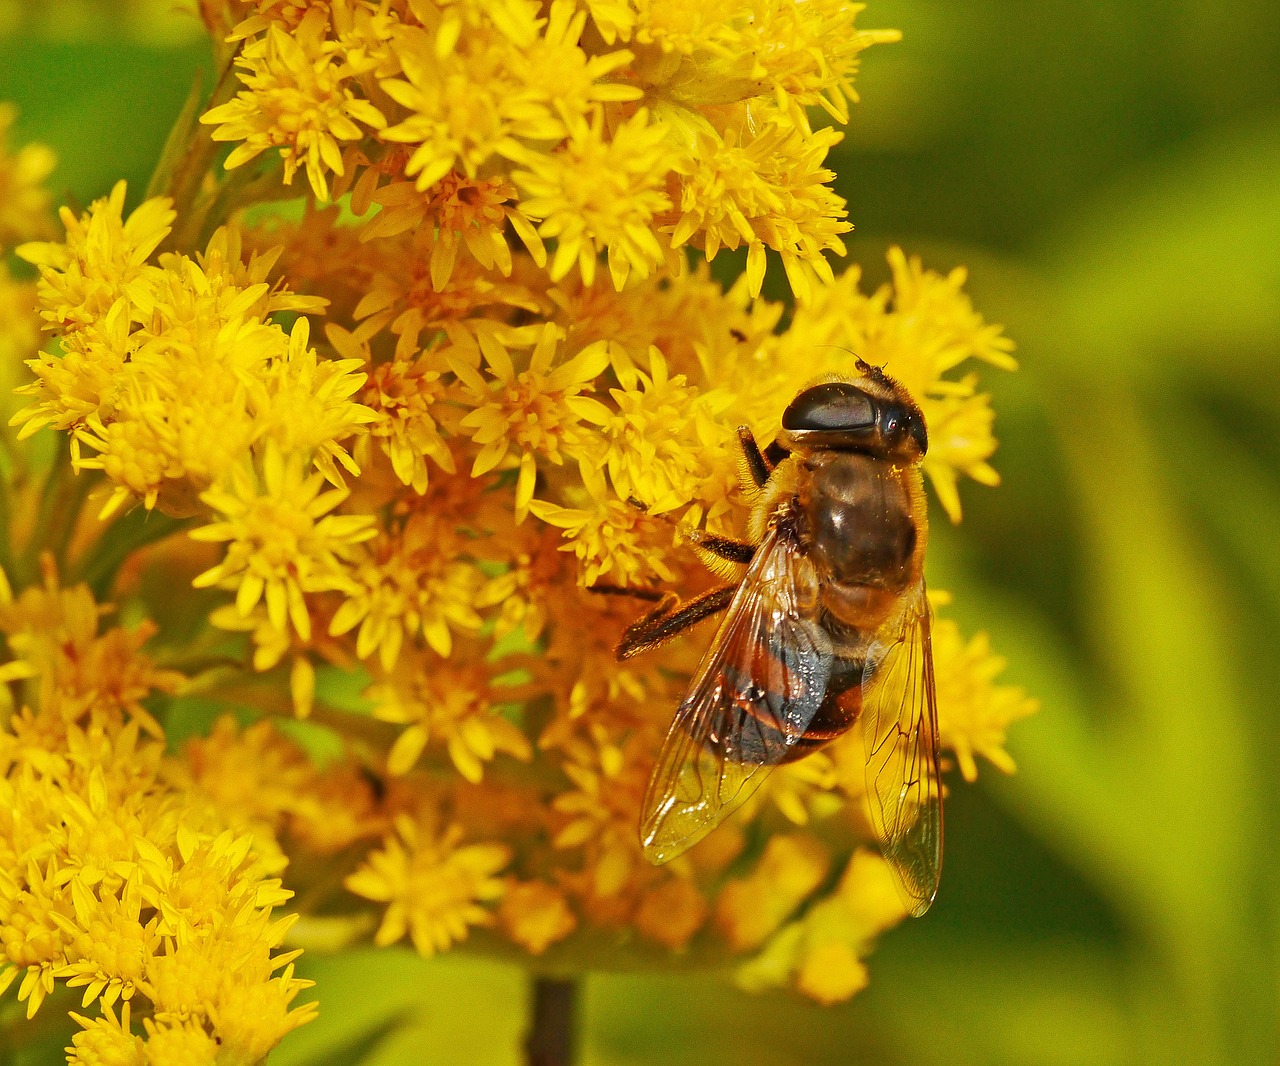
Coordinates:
198 150
60 503
134 530
552 1038
240 188
65 522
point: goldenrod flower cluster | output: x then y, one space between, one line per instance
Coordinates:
393 434
118 881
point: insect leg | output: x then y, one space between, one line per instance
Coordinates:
756 467
635 592
775 453
670 618
735 551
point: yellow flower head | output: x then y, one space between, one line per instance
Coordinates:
103 259
612 539
601 193
471 213
282 542
106 1041
179 1043
407 398
453 703
821 953
296 98
749 909
435 887
463 103
53 638
973 711
666 440
415 580
535 915
539 409
305 404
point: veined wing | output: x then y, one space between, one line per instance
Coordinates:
900 729
754 694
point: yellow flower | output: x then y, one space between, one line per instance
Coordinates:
305 404
535 915
600 813
973 711
822 952
749 909
415 579
180 375
106 1041
610 538
494 88
960 442
471 213
402 295
254 778
282 542
454 703
297 99
111 942
538 410
463 101
179 1044
596 194
104 258
433 885
53 637
666 440
558 70
671 913
769 190
254 1011
406 397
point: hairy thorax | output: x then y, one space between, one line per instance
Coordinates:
862 524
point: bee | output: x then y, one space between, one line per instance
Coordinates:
828 626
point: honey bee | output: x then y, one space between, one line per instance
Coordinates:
829 625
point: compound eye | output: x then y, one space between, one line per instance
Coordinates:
836 405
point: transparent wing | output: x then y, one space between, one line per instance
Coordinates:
753 696
900 729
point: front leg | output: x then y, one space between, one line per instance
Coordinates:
755 468
713 549
669 619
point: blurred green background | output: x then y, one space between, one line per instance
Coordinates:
1110 171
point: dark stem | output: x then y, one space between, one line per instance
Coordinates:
552 1029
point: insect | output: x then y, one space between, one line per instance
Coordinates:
829 625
